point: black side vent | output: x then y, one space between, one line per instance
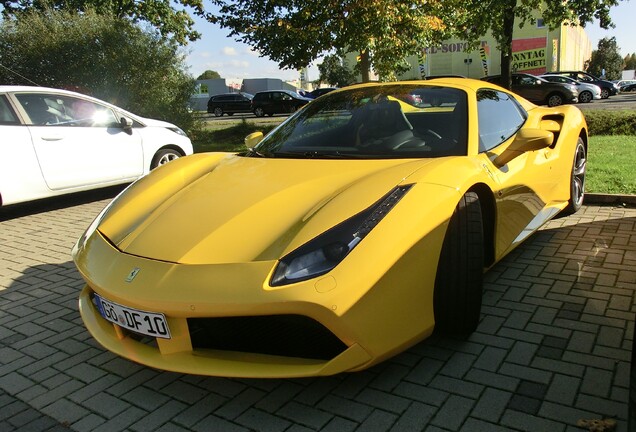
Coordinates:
280 335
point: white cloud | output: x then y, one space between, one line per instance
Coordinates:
252 51
229 51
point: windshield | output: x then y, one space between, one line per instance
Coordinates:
389 121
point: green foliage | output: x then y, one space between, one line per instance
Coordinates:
610 167
160 14
100 55
630 61
335 72
607 58
230 139
294 33
209 74
606 122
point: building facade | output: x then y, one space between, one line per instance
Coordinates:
535 50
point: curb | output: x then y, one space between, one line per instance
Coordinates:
594 198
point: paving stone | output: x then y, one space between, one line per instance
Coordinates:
453 413
305 415
491 405
415 418
379 421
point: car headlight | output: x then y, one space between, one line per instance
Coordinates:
177 130
326 251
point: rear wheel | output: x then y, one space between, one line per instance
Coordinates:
258 112
585 97
577 178
459 280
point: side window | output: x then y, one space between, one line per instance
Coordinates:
7 116
61 110
38 111
500 117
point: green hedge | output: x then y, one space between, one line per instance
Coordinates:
608 122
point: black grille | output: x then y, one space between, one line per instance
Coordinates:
280 335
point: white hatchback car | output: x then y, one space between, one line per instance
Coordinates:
55 142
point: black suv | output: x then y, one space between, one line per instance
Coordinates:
539 91
607 88
230 103
271 102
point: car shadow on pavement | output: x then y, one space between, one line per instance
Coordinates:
553 347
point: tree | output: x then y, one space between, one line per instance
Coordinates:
296 32
161 14
499 16
333 70
99 55
630 61
606 59
209 74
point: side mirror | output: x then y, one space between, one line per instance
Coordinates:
252 139
526 140
126 124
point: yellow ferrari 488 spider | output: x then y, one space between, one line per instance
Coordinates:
341 238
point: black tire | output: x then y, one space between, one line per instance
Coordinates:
604 93
259 112
555 99
585 97
218 111
577 178
459 280
164 156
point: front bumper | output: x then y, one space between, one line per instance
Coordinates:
351 321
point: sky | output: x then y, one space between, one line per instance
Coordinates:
232 59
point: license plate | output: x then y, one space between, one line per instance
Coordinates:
146 323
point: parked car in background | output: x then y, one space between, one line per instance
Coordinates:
319 92
608 88
628 88
272 102
623 83
56 142
538 90
587 91
230 103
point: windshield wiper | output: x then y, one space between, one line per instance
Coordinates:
251 151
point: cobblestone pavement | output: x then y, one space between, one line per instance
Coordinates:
553 347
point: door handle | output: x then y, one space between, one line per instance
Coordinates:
52 138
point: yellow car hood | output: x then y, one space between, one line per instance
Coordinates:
243 209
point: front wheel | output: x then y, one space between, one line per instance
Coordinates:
555 99
459 279
163 157
577 178
218 111
604 93
258 112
